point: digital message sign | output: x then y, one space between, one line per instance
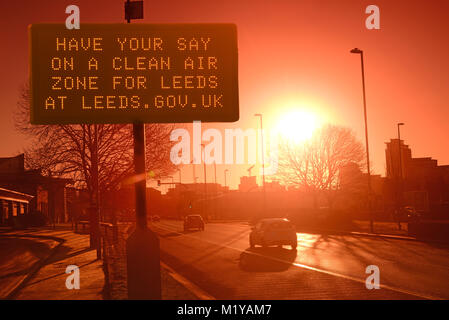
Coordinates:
128 73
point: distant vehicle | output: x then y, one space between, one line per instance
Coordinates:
193 221
274 231
156 218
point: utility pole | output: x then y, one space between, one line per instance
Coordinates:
142 246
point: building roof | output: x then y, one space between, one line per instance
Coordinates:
6 194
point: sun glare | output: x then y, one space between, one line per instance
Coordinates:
297 125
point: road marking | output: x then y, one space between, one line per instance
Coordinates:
382 286
299 265
197 291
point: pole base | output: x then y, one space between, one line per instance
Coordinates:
143 265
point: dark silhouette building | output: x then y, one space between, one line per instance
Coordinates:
48 193
423 182
417 182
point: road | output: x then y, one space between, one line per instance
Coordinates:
219 261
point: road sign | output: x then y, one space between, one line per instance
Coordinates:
128 73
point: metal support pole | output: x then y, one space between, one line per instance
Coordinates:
139 169
142 246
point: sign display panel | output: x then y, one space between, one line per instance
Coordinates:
128 73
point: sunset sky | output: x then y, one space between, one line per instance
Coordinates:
293 56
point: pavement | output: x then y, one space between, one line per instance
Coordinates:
325 266
47 279
20 257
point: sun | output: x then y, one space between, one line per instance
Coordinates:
297 125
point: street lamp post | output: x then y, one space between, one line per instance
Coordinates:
205 181
193 167
263 160
400 149
358 51
225 172
400 178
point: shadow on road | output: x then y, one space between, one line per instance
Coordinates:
267 259
191 231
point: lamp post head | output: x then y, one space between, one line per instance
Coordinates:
401 123
356 50
258 115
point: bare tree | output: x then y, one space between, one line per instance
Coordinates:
67 150
315 165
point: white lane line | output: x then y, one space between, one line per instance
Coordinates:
299 265
197 291
383 286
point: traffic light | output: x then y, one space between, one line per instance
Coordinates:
159 183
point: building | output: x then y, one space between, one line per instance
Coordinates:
274 186
353 192
248 184
13 206
424 183
417 182
48 193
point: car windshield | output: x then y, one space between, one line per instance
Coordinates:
278 225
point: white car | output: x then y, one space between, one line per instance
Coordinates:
274 231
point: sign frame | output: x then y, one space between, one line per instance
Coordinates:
228 113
